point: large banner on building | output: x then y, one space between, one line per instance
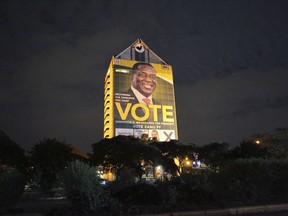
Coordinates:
144 100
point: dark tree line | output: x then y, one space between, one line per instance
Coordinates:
11 154
48 157
252 172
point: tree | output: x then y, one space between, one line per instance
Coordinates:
11 154
122 152
12 183
213 154
279 145
176 150
248 149
276 143
82 187
49 158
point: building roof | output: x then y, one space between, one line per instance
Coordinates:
139 51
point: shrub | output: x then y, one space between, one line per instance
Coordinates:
190 188
82 187
139 194
12 187
200 179
252 181
168 192
126 176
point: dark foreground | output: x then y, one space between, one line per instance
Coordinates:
59 207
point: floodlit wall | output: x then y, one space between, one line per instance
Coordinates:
108 103
131 117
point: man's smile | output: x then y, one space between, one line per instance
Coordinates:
148 86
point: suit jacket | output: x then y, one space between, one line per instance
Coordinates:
140 112
134 101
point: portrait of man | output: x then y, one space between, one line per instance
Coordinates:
155 135
137 101
143 98
143 83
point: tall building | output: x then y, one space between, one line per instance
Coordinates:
139 97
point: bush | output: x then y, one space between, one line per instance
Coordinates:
139 194
126 176
167 191
252 181
12 187
199 178
82 187
189 188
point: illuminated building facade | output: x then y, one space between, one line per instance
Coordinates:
139 95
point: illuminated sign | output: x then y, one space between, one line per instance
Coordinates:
144 101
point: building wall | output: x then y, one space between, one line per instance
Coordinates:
108 102
124 116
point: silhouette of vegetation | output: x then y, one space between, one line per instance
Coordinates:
124 152
174 149
251 181
213 154
251 173
11 154
248 149
12 187
82 187
275 143
48 159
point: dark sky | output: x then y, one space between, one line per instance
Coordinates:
229 58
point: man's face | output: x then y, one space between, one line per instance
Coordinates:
154 134
144 80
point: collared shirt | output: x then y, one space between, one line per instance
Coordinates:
140 97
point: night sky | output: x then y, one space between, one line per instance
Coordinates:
229 58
